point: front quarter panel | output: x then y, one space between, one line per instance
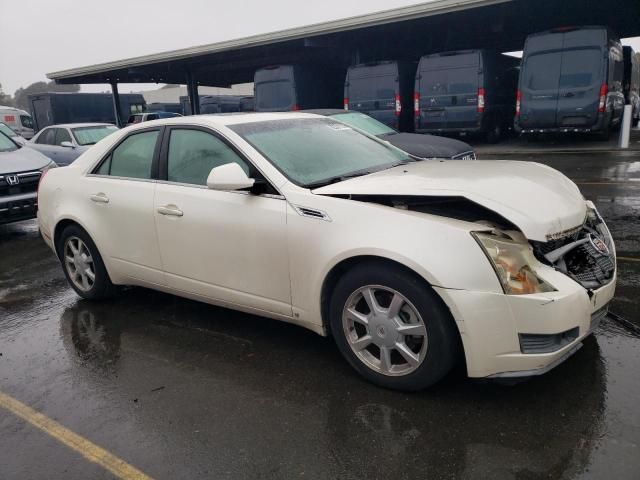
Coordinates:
440 250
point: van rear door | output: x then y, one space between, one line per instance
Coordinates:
275 89
579 89
373 90
539 89
449 95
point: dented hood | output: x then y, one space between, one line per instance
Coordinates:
539 200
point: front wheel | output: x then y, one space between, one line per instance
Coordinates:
83 265
392 327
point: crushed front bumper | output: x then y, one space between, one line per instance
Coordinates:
490 325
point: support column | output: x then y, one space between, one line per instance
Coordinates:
116 104
192 92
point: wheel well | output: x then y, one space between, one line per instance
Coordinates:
62 224
341 268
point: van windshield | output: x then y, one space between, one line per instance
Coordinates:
366 89
314 151
451 81
275 95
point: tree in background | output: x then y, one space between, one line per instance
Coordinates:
5 99
21 97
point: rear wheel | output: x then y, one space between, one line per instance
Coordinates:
392 327
83 265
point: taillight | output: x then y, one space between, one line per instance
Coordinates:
602 106
480 100
416 103
296 107
346 104
398 106
518 102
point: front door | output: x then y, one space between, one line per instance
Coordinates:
226 246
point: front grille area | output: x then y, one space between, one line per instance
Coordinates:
27 182
590 267
536 343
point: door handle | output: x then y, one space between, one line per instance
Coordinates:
170 210
99 198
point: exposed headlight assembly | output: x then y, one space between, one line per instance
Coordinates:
512 260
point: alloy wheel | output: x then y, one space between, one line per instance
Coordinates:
384 330
79 264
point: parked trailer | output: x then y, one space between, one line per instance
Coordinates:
466 92
571 81
382 90
54 108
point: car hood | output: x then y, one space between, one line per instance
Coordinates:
22 160
539 200
427 146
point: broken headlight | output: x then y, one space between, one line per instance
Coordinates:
512 260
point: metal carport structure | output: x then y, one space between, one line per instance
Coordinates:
416 30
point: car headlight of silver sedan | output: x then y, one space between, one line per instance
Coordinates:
513 263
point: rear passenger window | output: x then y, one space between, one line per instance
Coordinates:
132 158
193 153
543 71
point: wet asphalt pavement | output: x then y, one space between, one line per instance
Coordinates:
180 389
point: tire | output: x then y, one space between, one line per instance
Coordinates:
75 266
434 347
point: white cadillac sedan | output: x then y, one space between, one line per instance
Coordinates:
410 265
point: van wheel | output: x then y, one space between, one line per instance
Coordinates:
392 327
495 134
83 265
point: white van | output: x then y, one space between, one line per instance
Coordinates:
18 120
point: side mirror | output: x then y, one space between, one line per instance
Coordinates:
229 177
67 144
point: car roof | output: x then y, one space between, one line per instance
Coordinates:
226 119
79 125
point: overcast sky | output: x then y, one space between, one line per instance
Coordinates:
41 36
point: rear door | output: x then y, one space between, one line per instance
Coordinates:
449 97
375 95
539 89
579 87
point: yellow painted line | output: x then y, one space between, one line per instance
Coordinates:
629 259
84 447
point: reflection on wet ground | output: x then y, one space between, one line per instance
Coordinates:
180 389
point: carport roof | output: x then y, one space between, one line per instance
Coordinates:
416 30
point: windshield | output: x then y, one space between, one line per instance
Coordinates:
364 122
91 135
7 131
312 151
6 144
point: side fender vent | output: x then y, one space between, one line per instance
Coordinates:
312 213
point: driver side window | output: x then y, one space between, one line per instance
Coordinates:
193 153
